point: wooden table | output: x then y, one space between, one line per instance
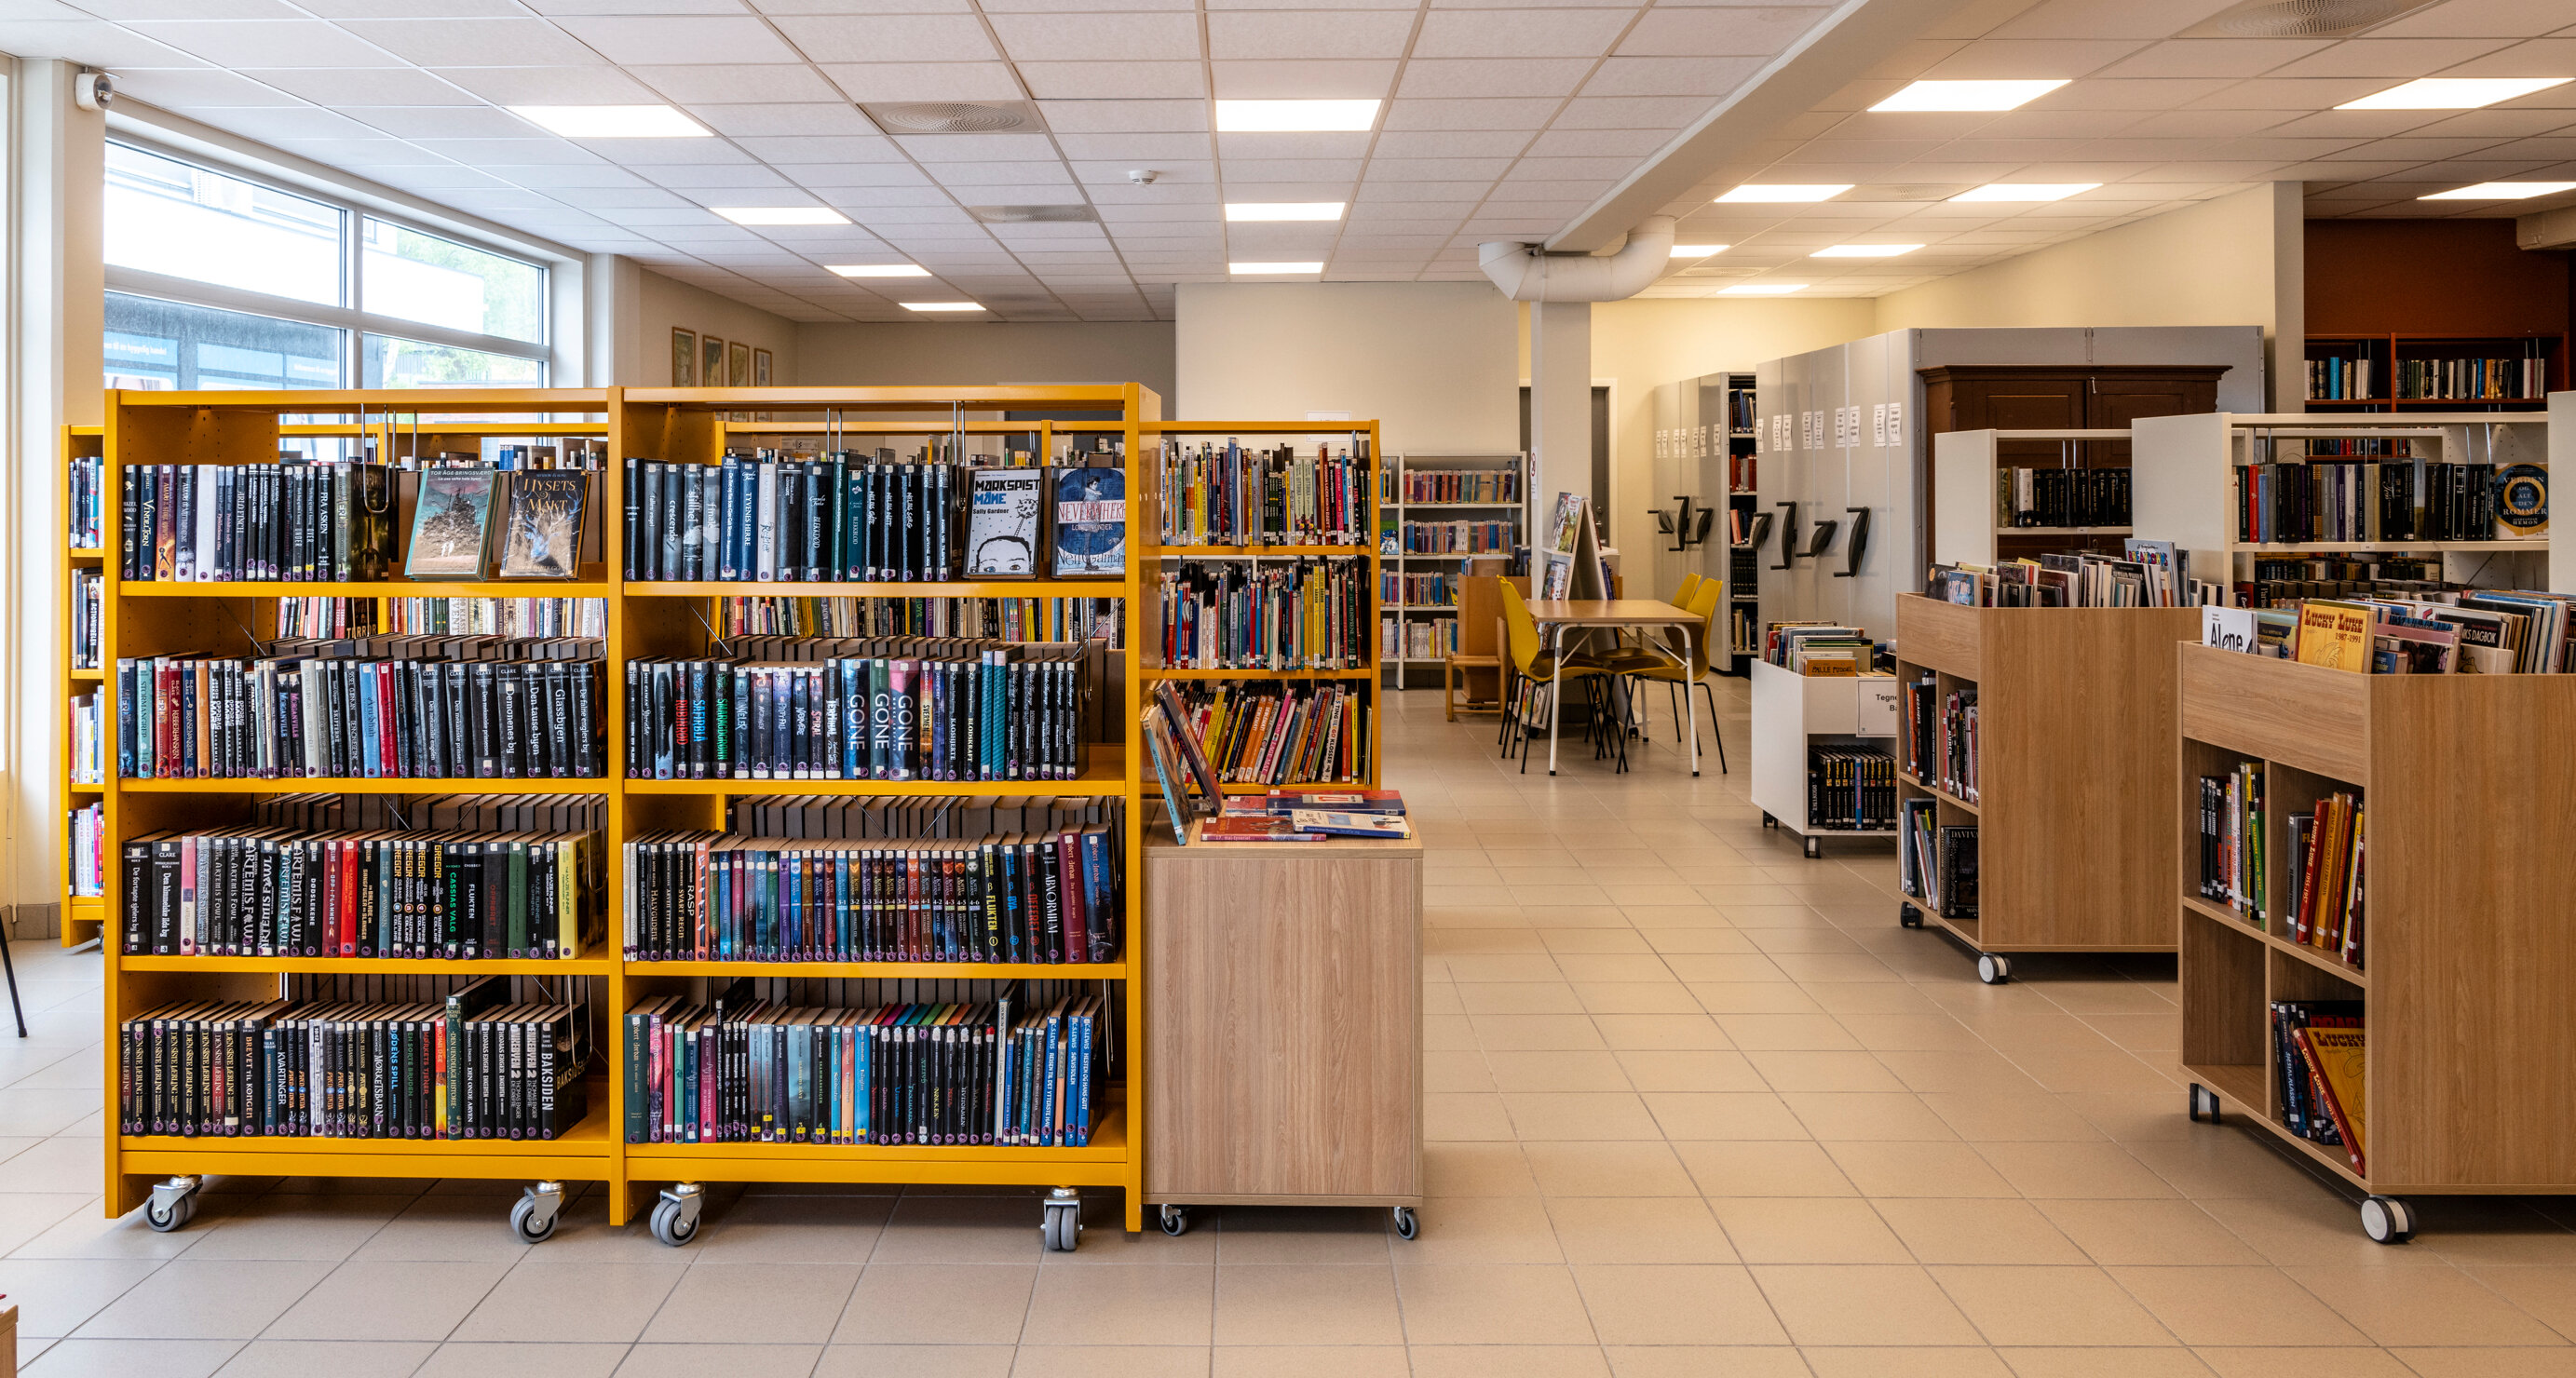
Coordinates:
1639 613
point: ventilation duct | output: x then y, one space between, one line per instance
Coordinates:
949 116
2302 18
1526 272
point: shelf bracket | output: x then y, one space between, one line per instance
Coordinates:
1857 545
1788 535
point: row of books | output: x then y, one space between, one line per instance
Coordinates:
1229 495
1819 648
505 617
337 520
1743 473
1851 789
1015 897
1307 614
428 715
1459 538
2320 1065
281 892
1417 638
1936 862
919 816
2326 846
468 1067
2061 497
2446 631
89 618
1417 590
2152 574
87 742
2232 841
2465 379
85 861
1011 1071
1938 734
766 518
1279 733
2335 380
865 709
1495 486
1004 619
85 516
2401 500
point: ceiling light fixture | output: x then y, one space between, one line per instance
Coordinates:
1699 250
613 121
1864 250
1273 269
1284 210
2500 191
2453 93
1969 95
942 306
878 270
781 215
1786 191
1761 289
2024 191
1295 116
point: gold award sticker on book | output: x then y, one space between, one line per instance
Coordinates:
541 531
2522 501
449 524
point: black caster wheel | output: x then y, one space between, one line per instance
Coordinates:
533 1215
1907 916
2204 1102
2387 1220
173 1205
675 1216
1175 1220
1406 1225
1815 848
1769 822
1062 1225
1994 969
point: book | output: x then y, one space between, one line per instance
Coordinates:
1262 829
1850 789
1003 521
1380 801
451 524
1334 823
1192 752
291 520
1306 614
2339 1059
1090 522
1280 733
2334 635
1167 772
1233 495
541 525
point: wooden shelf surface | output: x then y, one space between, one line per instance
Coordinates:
2315 957
1934 790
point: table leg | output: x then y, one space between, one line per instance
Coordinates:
1692 709
1555 701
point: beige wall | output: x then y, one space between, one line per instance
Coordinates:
1431 361
987 352
665 304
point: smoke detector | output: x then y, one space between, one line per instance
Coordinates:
951 116
2302 18
1031 215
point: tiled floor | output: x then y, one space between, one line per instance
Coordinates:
1698 1107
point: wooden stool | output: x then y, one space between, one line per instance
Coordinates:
1452 667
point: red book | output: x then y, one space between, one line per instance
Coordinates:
1068 866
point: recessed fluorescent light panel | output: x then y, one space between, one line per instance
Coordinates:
2500 191
2453 93
2024 191
1284 210
878 270
1787 191
1699 250
1272 269
1969 95
1761 289
1865 251
1294 116
613 121
941 306
781 215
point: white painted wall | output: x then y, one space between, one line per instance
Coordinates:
663 304
1433 362
977 353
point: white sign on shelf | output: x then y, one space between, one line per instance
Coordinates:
1896 424
1878 424
1878 707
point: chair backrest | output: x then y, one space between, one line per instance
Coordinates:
1521 627
1705 601
1689 585
1480 601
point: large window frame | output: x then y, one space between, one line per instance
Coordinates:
353 322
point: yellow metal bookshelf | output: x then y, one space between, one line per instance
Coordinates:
1361 434
644 619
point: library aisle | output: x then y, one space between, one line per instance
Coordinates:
1698 1106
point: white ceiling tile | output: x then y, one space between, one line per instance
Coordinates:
1306 35
963 148
2213 57
471 43
339 87
386 160
1087 81
1708 32
785 119
699 177
1132 148
636 205
2396 59
891 38
2015 59
1627 143
643 41
90 41
2282 93
1128 117
823 149
1293 169
1098 37
853 174
1437 169
410 9
865 81
1323 78
268 43
1631 112
1014 177
2480 18
718 83
565 8
1452 143
556 178
206 89
1292 145
1526 33
1704 77
126 11
438 121
1502 113
595 85
295 122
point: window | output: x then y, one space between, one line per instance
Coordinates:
218 280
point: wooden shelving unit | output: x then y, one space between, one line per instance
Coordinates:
2466 956
1363 440
2385 353
1393 511
2074 771
644 619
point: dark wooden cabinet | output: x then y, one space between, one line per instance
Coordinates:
2058 397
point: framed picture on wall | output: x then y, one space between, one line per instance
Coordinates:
737 365
684 358
760 368
710 362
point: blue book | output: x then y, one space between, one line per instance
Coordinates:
1090 523
370 740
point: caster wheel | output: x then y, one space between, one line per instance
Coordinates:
1907 916
1175 1220
1063 1226
1406 1225
1994 969
2203 1102
531 1224
174 1215
2387 1220
673 1223
1769 822
1815 848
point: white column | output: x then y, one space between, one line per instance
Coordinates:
619 355
1560 406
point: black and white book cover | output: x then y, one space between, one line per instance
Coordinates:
1003 523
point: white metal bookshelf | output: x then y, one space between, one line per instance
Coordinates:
1394 514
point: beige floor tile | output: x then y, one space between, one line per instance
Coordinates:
1282 1234
1786 1031
1454 1116
1695 1361
1827 968
1658 1033
2269 1363
410 1301
2132 1116
54 1296
1303 1361
2235 1306
1872 998
1490 1305
2097 1361
2423 1306
1906 1168
1497 1033
2008 1117
1730 968
2049 1306
1143 1305
1885 1116
1111 1361
1723 1115
2212 1165
2489 1363
83 1358
1680 945
2073 1170
2119 1232
282 1226
1637 1229
1449 1032
1878 1361
938 1304
193 1300
1518 997
1510 1361
1584 968
1689 1072
2521 1231
1608 1169
1751 1168
2088 1069
956 1229
1476 1169
1807 1229
1863 1304
1557 1071
1691 1304
2316 1230
1510 967
763 1229
338 1358
1588 942
1635 997
1297 1304
1971 1072
1823 1071
1458 1071
1972 1231
1910 1032
792 1303
2546 1293
1540 1115
734 1360
1755 997
1483 1229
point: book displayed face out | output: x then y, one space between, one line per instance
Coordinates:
541 528
450 524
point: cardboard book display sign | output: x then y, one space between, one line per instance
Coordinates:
1570 569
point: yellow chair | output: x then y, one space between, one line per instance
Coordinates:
1704 605
1536 670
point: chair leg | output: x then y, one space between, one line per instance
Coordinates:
1711 695
11 967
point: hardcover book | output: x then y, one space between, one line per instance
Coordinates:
1002 524
450 525
1090 522
541 528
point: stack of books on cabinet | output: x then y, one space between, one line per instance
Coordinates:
1436 512
787 845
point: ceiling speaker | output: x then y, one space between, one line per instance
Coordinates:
2302 18
950 116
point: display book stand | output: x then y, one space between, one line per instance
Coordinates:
1148 497
2466 961
1394 513
2074 772
644 619
1802 711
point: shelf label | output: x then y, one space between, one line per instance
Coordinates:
1878 424
1877 708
